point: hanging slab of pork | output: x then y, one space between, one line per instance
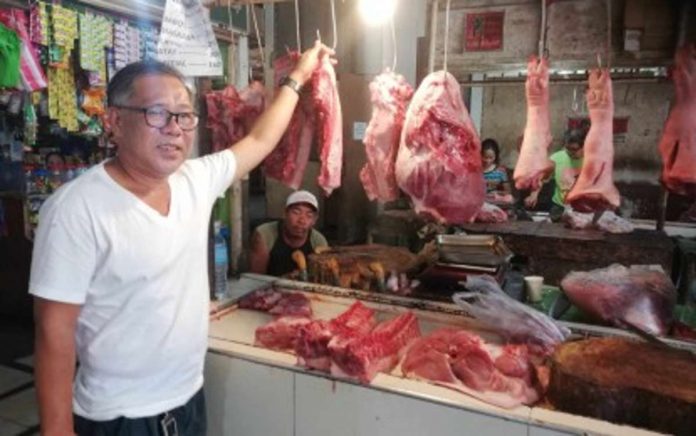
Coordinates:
533 165
439 159
594 190
390 95
329 126
289 159
232 113
626 382
678 143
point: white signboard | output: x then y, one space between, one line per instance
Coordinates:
187 41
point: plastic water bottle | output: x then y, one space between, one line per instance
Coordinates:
220 264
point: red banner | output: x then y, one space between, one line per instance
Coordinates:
484 31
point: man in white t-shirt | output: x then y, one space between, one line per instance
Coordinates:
119 270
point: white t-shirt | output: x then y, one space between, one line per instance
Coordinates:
142 281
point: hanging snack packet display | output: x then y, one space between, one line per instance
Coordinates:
96 33
64 32
62 105
39 28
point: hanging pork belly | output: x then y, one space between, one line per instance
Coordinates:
533 165
594 190
232 113
289 159
439 159
390 95
678 143
329 124
317 115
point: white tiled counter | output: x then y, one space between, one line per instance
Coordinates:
252 391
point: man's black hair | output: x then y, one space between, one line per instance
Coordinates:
120 87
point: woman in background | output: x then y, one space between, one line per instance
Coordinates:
496 176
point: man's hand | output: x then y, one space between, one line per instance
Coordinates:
310 61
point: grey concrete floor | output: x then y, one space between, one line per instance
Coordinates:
18 409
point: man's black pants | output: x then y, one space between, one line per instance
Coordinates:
186 420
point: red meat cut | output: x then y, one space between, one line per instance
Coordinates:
678 143
641 295
260 299
281 333
289 159
314 337
462 361
533 165
292 304
390 94
277 302
362 357
594 190
232 113
329 125
439 160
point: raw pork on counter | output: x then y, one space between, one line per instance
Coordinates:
490 213
534 165
281 333
594 189
362 357
390 94
439 159
457 359
277 302
678 143
641 295
232 113
313 340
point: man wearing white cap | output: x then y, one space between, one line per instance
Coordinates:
272 244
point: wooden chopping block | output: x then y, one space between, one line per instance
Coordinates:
359 266
626 382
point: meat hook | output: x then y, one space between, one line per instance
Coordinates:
447 14
258 35
393 35
297 26
333 23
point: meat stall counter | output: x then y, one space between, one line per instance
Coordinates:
252 390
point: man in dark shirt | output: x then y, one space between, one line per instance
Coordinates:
273 244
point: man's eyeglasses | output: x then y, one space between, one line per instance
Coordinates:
159 117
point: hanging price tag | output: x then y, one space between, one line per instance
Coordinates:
187 41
